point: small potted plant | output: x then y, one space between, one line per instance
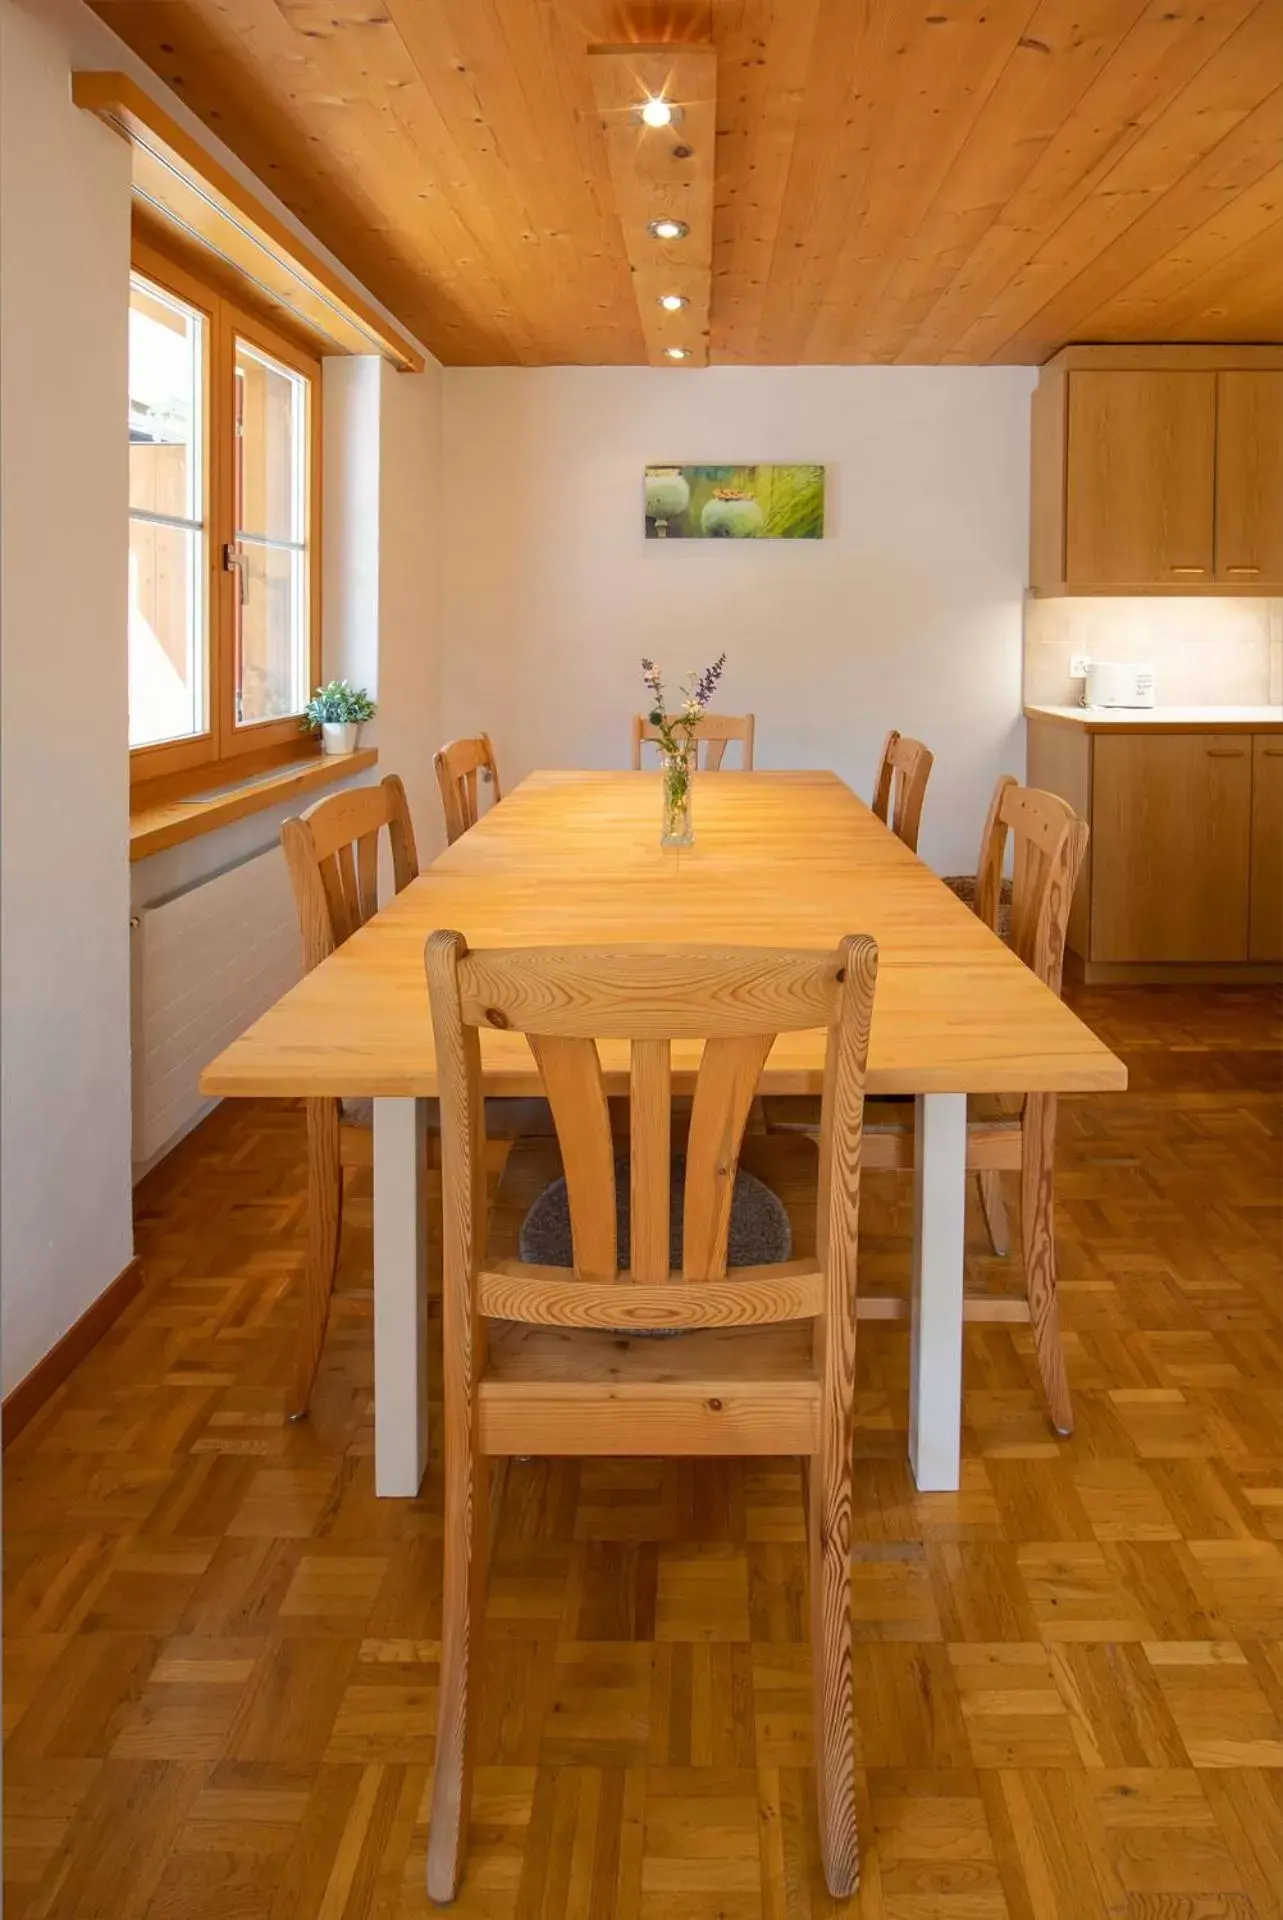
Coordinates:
337 712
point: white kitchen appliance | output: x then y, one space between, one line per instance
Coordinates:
1115 683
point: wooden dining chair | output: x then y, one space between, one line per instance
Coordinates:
712 736
901 786
1017 1132
458 767
986 891
332 852
1005 1132
548 1360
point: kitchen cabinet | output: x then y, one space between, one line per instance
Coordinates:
1185 863
1249 477
1158 470
1140 486
1170 823
1265 939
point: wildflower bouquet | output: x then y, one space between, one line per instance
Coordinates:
676 733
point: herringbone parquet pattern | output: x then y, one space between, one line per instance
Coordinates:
222 1650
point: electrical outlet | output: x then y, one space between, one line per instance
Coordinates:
1078 665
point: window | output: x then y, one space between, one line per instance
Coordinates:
223 560
168 537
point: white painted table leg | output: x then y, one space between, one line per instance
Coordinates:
939 1230
400 1297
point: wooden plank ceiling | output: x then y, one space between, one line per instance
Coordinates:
896 180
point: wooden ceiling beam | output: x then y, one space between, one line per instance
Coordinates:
663 173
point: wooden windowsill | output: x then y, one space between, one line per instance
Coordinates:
157 824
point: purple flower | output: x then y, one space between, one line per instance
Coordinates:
706 685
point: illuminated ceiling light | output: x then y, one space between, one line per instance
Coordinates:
667 229
673 302
658 113
678 353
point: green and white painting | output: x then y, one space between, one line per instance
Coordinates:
735 503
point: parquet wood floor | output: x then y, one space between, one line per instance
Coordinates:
222 1650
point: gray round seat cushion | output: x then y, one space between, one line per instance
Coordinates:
759 1231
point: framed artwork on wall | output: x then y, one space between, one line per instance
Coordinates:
735 503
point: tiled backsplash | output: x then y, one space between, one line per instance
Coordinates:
1226 652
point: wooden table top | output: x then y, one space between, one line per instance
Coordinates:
788 859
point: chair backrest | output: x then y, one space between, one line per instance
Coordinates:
1050 842
332 852
712 734
901 786
993 846
457 766
733 999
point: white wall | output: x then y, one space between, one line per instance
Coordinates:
411 638
65 1225
907 614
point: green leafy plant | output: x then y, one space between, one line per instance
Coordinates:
337 704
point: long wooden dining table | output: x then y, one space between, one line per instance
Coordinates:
573 858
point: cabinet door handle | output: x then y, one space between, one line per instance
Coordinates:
1273 753
1242 569
1227 753
1187 569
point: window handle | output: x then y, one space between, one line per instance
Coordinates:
234 561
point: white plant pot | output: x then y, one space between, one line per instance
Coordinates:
339 736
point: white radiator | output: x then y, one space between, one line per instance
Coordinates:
206 962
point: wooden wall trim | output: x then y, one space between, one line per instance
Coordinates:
180 183
1212 358
25 1401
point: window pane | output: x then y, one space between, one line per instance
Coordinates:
272 507
168 568
273 649
166 664
165 342
272 414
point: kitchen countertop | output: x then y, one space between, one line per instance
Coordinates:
1209 719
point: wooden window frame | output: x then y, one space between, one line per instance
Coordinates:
225 744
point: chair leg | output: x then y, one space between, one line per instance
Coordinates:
324 1229
1038 1236
827 1486
994 1208
467 1526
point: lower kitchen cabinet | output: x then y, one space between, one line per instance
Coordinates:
1185 864
1265 939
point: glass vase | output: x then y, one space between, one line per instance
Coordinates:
676 829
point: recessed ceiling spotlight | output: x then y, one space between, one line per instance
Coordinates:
673 302
678 353
658 113
667 229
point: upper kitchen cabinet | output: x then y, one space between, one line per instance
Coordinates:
1249 476
1158 470
1140 493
